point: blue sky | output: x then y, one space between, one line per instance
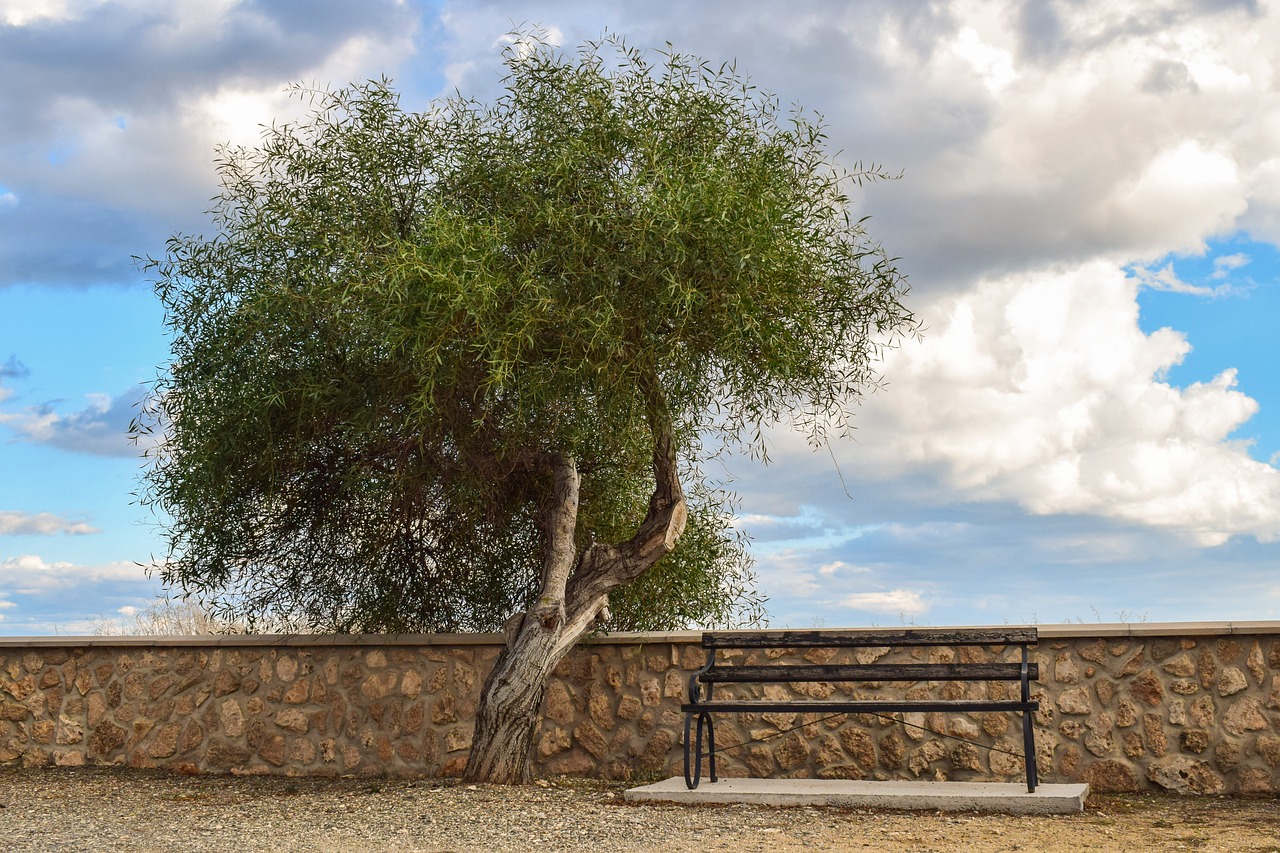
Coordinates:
1089 214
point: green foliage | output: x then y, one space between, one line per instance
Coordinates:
403 315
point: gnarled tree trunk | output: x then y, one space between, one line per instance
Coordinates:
574 594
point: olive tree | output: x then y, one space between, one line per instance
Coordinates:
456 368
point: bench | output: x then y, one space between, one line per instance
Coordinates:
704 701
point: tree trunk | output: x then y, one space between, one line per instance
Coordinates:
510 706
568 605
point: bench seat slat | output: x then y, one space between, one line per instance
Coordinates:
859 638
860 707
784 673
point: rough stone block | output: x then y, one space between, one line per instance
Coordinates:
1194 741
1244 715
1181 666
68 758
1203 712
558 704
1231 682
1154 735
1075 701
859 746
107 738
13 710
1100 743
1147 688
1206 668
965 756
1268 746
1256 664
1065 669
225 756
379 685
1133 664
294 720
231 717
1184 775
650 691
165 743
298 692
591 739
1111 777
1226 757
272 750
1256 780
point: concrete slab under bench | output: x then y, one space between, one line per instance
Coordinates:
1009 798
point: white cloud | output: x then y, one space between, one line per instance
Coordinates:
993 64
100 428
30 574
789 572
903 601
41 524
1184 194
1041 388
840 567
1166 279
17 13
1224 265
129 129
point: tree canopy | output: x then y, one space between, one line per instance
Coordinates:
438 367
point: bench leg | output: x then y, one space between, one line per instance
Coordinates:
693 749
711 742
1029 752
692 769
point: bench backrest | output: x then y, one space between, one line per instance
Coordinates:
869 672
858 638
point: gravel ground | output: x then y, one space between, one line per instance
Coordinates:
114 809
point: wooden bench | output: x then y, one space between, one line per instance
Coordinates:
703 702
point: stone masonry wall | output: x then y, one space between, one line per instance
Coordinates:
1188 708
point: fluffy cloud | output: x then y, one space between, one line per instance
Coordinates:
30 574
1041 388
898 601
42 524
114 111
43 596
100 428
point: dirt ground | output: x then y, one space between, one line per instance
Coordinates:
114 809
1109 823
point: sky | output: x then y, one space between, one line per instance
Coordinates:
1088 212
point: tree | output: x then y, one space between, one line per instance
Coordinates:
460 364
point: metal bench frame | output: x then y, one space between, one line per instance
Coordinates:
702 705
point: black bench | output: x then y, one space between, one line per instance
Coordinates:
703 702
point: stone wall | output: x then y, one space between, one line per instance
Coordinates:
1189 708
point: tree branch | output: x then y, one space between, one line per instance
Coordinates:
603 568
